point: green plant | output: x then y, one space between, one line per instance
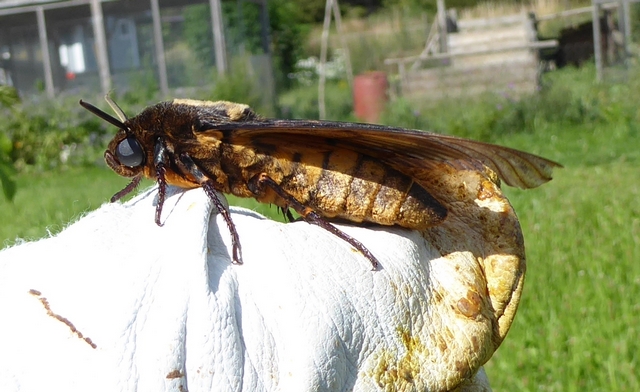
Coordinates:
8 98
400 113
198 33
287 37
43 134
7 172
143 86
302 102
241 85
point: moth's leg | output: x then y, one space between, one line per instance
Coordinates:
128 189
111 160
187 164
257 184
160 161
286 212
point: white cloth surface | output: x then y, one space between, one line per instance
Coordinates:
167 311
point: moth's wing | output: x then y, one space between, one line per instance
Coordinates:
409 151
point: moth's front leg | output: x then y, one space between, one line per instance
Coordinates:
160 162
188 165
135 181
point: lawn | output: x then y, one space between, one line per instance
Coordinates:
577 328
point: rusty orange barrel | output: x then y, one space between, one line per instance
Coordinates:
370 95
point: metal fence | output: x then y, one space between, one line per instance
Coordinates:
63 46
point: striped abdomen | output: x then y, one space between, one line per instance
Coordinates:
348 185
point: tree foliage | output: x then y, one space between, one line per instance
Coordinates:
287 37
243 22
198 32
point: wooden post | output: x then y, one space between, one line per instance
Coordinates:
343 41
597 43
403 78
159 46
324 42
442 26
218 36
609 26
101 46
44 46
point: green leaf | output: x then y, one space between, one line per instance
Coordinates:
5 145
8 96
7 181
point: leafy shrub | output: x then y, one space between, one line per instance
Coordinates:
243 33
302 102
43 134
141 90
198 33
8 98
400 113
241 85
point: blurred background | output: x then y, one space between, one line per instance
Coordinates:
558 78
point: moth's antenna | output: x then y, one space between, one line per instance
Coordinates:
116 108
106 117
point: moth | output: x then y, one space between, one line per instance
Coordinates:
323 170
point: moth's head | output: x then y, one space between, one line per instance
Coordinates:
125 154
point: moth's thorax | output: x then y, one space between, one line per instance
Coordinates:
215 111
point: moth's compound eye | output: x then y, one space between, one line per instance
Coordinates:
129 152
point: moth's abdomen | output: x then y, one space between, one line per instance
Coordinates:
348 185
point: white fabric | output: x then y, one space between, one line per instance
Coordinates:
167 310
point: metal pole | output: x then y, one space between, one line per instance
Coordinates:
101 46
44 46
627 29
324 42
597 43
159 46
218 36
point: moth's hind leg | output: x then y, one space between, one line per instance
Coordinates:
286 212
257 184
188 165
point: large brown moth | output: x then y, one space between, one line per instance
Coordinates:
323 170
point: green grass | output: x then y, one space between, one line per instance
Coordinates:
46 202
577 325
